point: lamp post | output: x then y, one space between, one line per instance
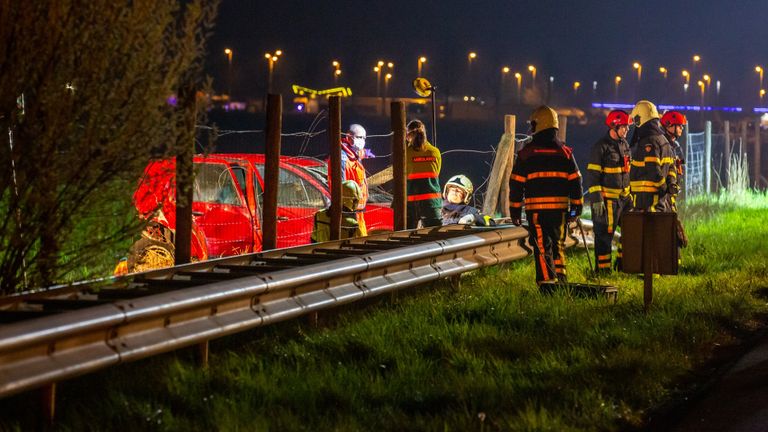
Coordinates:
272 59
228 53
696 58
387 77
471 58
504 72
336 70
616 82
519 78
762 93
686 84
702 86
639 68
377 69
422 60
664 72
576 86
532 69
759 70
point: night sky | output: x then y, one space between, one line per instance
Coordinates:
570 40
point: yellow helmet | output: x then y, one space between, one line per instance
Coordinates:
350 194
542 118
643 112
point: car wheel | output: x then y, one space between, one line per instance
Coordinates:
149 254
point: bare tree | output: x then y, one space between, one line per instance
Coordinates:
86 91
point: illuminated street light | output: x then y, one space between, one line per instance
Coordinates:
576 86
336 70
639 68
687 76
532 69
505 70
707 79
387 77
696 59
702 86
762 93
422 60
759 69
617 81
519 78
664 71
377 69
228 53
272 59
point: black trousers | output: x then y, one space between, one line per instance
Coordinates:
604 228
547 238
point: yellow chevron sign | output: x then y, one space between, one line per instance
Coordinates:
336 91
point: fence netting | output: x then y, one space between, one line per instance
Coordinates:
696 163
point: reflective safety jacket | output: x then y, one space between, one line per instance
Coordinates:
423 170
545 177
321 232
607 175
352 169
652 171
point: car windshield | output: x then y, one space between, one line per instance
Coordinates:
214 184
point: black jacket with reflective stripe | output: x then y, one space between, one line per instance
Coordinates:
607 173
545 177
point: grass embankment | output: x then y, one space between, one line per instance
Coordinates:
494 355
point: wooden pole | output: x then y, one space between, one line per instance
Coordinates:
272 169
757 165
499 169
185 173
334 149
562 131
509 129
397 110
727 154
647 263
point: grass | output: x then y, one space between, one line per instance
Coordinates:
494 355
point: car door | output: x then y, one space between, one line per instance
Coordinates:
220 211
298 199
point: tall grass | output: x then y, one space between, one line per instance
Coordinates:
494 355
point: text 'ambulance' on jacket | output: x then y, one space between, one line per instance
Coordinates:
423 168
545 177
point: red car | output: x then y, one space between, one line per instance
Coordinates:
227 207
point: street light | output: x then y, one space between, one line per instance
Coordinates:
639 68
228 53
336 70
272 59
519 79
664 72
762 93
696 59
759 69
377 69
532 69
576 86
422 60
387 77
617 81
707 79
702 86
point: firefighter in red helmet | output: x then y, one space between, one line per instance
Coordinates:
674 123
607 182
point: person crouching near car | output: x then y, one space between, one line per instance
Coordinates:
350 228
546 178
456 209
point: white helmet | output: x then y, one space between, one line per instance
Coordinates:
358 135
462 182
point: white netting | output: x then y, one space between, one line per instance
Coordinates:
696 163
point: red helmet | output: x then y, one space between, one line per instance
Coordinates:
671 118
617 118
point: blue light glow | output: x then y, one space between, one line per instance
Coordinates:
675 107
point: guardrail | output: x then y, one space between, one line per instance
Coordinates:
40 352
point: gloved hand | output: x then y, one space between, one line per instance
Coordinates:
598 209
574 214
467 219
673 188
517 221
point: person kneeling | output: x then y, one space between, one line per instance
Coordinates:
456 209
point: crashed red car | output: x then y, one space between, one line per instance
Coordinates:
227 207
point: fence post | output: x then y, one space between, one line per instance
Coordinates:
500 161
185 153
758 168
727 154
509 128
334 148
708 156
397 111
272 170
686 145
562 131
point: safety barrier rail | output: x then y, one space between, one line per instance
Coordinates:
168 309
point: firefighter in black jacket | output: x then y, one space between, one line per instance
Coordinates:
546 179
673 123
652 176
607 180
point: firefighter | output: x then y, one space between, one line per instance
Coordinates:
607 180
547 180
652 176
350 228
352 145
673 123
423 163
457 193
